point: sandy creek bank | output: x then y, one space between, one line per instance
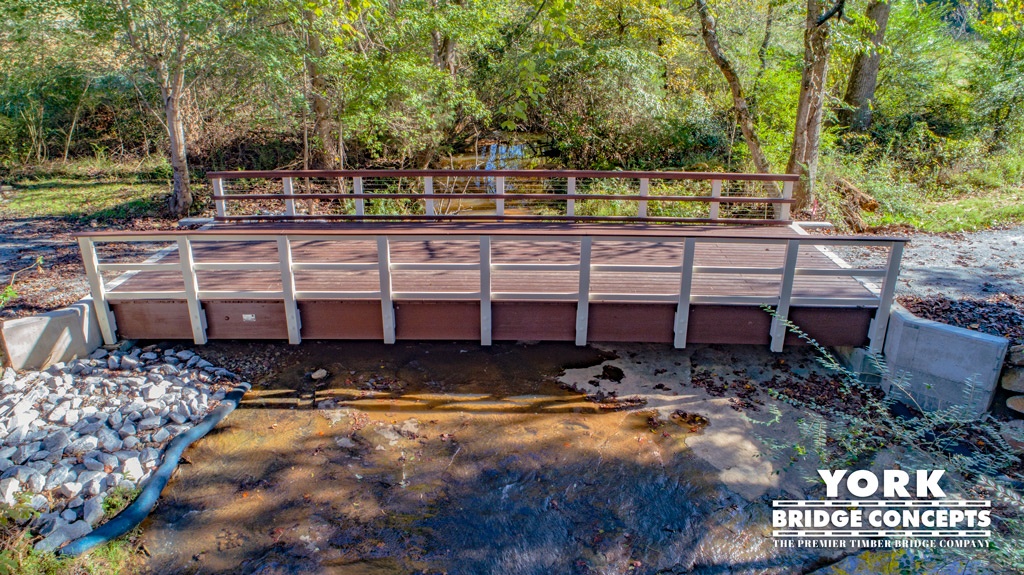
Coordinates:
451 458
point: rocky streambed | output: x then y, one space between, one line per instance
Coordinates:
76 432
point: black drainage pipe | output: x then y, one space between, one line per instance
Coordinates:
135 513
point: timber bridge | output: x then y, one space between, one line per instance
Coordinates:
675 257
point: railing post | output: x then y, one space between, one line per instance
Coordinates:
778 329
357 188
716 192
499 187
685 286
291 308
218 192
428 188
104 317
645 189
188 275
881 320
289 203
583 297
485 290
787 194
570 205
387 306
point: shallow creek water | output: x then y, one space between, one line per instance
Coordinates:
441 458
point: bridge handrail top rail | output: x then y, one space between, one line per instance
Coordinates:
384 173
501 229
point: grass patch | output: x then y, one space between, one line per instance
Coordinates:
124 555
86 200
89 190
118 499
994 208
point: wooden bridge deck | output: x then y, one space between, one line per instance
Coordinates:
436 281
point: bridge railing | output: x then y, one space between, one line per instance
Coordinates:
279 262
503 195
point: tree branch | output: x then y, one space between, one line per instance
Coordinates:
836 10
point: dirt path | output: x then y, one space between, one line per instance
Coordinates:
61 279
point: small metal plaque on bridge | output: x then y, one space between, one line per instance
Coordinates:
248 317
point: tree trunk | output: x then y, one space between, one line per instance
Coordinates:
803 159
181 197
172 84
327 156
860 93
739 101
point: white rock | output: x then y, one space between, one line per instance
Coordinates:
184 355
72 417
70 489
132 468
130 442
39 503
58 476
62 535
26 451
57 441
113 362
161 436
93 510
98 354
35 482
82 445
319 374
9 488
23 418
93 487
108 460
69 516
58 413
150 423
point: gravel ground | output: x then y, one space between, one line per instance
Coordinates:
970 280
71 435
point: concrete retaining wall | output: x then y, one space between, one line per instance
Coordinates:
937 359
47 338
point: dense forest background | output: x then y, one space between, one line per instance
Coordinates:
903 101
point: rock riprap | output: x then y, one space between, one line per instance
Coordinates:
73 433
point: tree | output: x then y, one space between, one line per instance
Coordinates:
173 40
860 92
803 158
709 31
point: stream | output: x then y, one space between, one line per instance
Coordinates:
449 458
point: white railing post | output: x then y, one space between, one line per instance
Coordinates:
485 290
291 308
881 320
570 205
645 189
289 203
787 194
499 188
685 286
583 296
428 189
104 317
778 329
357 188
716 192
387 306
218 194
188 276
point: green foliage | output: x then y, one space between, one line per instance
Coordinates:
119 498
